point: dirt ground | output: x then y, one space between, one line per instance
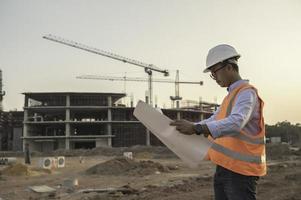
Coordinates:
155 173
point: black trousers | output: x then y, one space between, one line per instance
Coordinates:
229 185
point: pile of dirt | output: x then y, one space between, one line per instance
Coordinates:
18 169
125 166
143 155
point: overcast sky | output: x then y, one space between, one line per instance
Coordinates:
171 34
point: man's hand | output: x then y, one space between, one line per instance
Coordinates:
184 126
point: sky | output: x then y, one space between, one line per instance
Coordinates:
171 34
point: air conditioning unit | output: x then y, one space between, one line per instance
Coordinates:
60 161
128 155
46 162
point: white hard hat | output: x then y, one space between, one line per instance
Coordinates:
219 54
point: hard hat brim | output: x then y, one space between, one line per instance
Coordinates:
208 68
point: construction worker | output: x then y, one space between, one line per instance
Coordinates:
27 154
236 129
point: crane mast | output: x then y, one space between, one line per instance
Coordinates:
177 97
148 68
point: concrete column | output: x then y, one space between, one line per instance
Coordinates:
25 117
148 138
110 101
202 116
26 102
67 141
109 114
25 127
109 125
67 124
178 115
68 100
109 133
67 119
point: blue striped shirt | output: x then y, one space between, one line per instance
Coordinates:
245 115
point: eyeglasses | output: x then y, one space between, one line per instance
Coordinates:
213 73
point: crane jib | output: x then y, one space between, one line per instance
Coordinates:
148 68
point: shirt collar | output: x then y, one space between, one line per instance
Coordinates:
236 84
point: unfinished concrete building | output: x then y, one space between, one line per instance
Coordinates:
11 125
86 120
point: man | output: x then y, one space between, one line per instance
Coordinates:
236 129
27 154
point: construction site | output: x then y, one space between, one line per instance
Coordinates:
91 146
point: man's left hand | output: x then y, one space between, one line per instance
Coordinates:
184 126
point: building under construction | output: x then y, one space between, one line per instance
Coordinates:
11 126
69 120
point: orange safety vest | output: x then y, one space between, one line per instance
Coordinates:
241 153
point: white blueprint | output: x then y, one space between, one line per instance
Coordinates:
191 149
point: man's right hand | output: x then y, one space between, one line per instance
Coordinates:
184 126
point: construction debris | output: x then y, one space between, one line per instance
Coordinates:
125 166
42 189
115 177
124 190
19 169
70 183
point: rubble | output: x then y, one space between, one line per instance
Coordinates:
110 178
19 169
125 166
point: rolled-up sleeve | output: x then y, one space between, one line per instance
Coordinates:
238 118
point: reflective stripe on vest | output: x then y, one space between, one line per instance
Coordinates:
238 156
245 138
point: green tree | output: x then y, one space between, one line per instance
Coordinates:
288 132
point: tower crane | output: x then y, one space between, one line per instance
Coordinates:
2 93
177 97
139 79
148 68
